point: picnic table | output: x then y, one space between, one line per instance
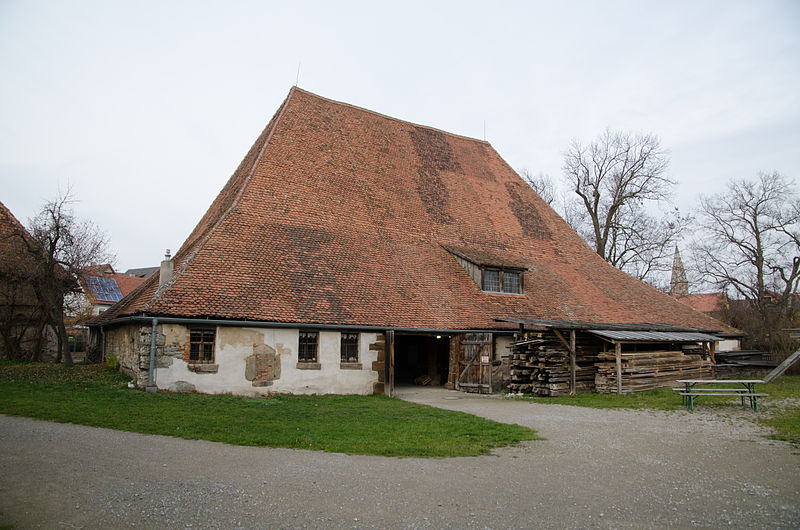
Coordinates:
746 389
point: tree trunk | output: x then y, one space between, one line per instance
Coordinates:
63 343
59 343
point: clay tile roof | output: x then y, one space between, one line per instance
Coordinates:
705 302
102 285
340 215
486 258
13 248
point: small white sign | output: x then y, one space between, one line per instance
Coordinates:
484 359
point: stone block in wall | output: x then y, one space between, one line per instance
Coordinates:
264 365
203 368
181 386
175 351
380 367
163 361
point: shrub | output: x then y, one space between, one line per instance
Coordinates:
112 362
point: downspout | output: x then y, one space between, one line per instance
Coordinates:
164 275
150 383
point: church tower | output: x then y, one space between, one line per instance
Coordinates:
678 284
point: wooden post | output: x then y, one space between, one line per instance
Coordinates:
571 348
491 360
711 347
572 363
618 353
390 361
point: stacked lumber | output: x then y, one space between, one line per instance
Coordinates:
423 380
648 370
540 365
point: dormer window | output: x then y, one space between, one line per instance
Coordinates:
501 281
492 273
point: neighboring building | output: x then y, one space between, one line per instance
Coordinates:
24 333
143 272
351 250
712 304
678 283
103 287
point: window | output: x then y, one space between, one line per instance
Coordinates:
491 280
502 281
201 345
349 347
307 350
511 282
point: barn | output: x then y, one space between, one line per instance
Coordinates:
351 251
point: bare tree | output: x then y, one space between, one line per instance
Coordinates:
750 243
62 246
620 185
541 184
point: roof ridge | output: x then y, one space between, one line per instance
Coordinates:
392 118
198 244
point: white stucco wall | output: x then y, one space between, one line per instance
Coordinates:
502 346
233 345
729 345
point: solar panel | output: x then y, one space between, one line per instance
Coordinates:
104 289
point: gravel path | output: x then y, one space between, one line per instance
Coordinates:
597 468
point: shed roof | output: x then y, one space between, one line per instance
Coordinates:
653 336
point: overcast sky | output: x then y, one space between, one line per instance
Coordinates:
146 108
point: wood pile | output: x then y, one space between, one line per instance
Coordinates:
648 370
540 365
423 380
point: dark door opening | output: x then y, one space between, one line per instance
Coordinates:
421 355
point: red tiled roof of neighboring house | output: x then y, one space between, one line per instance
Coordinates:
705 302
340 215
127 283
124 284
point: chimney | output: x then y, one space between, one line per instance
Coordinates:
166 269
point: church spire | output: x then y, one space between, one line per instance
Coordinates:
678 284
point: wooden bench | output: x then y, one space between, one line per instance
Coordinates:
689 392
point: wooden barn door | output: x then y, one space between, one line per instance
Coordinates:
475 363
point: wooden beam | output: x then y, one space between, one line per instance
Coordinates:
712 346
561 338
390 361
572 362
618 353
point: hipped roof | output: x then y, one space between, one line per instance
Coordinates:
339 215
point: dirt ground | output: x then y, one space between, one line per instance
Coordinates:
597 469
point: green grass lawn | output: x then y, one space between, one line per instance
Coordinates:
369 425
780 411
